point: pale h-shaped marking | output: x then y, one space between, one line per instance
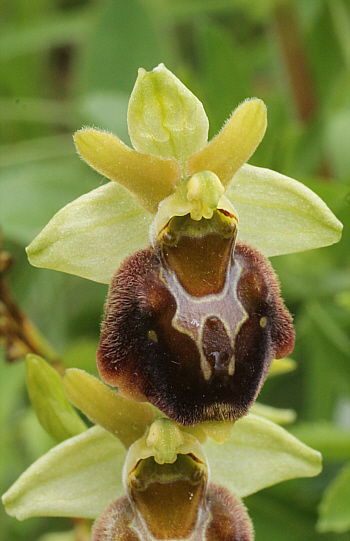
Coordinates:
192 312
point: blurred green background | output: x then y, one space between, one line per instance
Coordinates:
69 63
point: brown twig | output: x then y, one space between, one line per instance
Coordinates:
17 333
287 29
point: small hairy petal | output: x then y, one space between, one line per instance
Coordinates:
230 520
149 178
116 523
126 419
234 145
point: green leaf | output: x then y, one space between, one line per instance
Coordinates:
59 536
259 454
332 441
45 34
341 21
91 236
38 149
279 215
49 401
217 48
82 354
335 505
108 110
336 138
45 187
129 27
77 478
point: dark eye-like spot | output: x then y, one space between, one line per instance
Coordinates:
217 347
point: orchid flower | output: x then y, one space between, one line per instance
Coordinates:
168 127
193 323
198 314
109 472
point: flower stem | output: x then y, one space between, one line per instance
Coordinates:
286 26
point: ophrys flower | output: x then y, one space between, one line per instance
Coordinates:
194 321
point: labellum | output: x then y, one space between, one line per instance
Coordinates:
221 517
193 322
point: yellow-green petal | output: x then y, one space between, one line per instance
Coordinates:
49 401
234 145
77 478
165 118
149 178
279 215
259 454
125 418
91 236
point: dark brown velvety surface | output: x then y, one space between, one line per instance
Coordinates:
195 358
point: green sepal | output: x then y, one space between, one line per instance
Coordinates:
77 478
164 117
125 418
49 400
279 215
91 236
259 454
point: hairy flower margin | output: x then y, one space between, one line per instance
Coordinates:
173 171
